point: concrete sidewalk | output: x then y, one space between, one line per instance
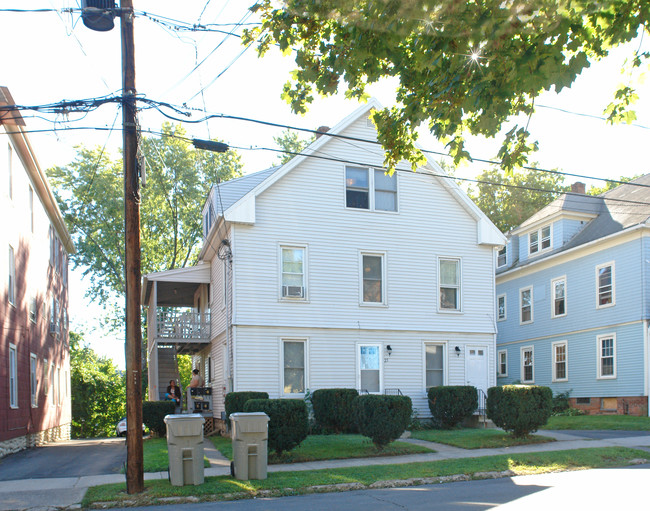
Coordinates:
67 492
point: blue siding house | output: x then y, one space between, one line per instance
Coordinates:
573 296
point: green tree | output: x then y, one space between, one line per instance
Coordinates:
90 193
184 370
609 185
462 67
509 199
98 391
291 142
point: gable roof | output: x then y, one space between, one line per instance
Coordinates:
229 192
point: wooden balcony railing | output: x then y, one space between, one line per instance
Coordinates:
175 323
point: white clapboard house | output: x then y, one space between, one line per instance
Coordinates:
326 272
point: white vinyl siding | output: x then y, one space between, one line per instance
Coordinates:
607 356
502 363
33 382
560 361
501 308
294 366
527 365
605 285
370 368
13 377
293 261
372 287
449 286
526 305
559 298
435 365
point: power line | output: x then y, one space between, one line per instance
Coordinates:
591 116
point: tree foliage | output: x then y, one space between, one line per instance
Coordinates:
462 67
609 185
98 391
291 142
90 193
509 199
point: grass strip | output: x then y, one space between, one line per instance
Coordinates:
472 438
300 482
617 422
155 457
329 447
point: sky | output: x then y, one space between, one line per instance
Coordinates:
49 57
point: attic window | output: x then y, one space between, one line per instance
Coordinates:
540 240
370 189
502 257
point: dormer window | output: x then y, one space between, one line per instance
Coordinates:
502 257
540 240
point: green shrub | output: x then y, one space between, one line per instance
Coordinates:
570 412
153 415
288 421
452 404
519 409
334 409
235 401
382 418
561 402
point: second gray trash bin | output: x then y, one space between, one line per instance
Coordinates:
249 444
185 448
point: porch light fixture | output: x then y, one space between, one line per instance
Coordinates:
389 350
457 350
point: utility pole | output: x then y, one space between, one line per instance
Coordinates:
133 345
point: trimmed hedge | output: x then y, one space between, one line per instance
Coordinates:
519 409
153 415
334 409
451 404
288 421
235 401
382 418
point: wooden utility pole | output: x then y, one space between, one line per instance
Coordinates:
133 345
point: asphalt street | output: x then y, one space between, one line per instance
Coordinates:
600 489
72 458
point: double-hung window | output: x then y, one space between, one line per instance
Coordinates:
558 302
526 305
449 284
435 365
605 290
373 290
527 365
12 276
560 361
607 356
32 380
293 376
501 308
502 257
539 240
370 368
293 273
502 363
370 189
13 377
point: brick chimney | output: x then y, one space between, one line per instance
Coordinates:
578 187
321 130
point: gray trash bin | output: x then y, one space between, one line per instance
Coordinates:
250 433
185 448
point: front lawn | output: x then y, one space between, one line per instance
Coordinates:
156 459
294 483
476 438
329 447
624 422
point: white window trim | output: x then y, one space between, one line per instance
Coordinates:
381 365
33 379
445 362
506 259
532 307
13 375
459 310
566 309
46 377
384 286
505 307
599 357
11 289
499 373
371 191
532 350
554 377
541 250
305 341
598 306
305 270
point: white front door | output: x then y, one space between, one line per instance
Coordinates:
476 367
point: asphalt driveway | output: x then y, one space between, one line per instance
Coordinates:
73 458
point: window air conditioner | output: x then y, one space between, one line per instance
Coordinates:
293 291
